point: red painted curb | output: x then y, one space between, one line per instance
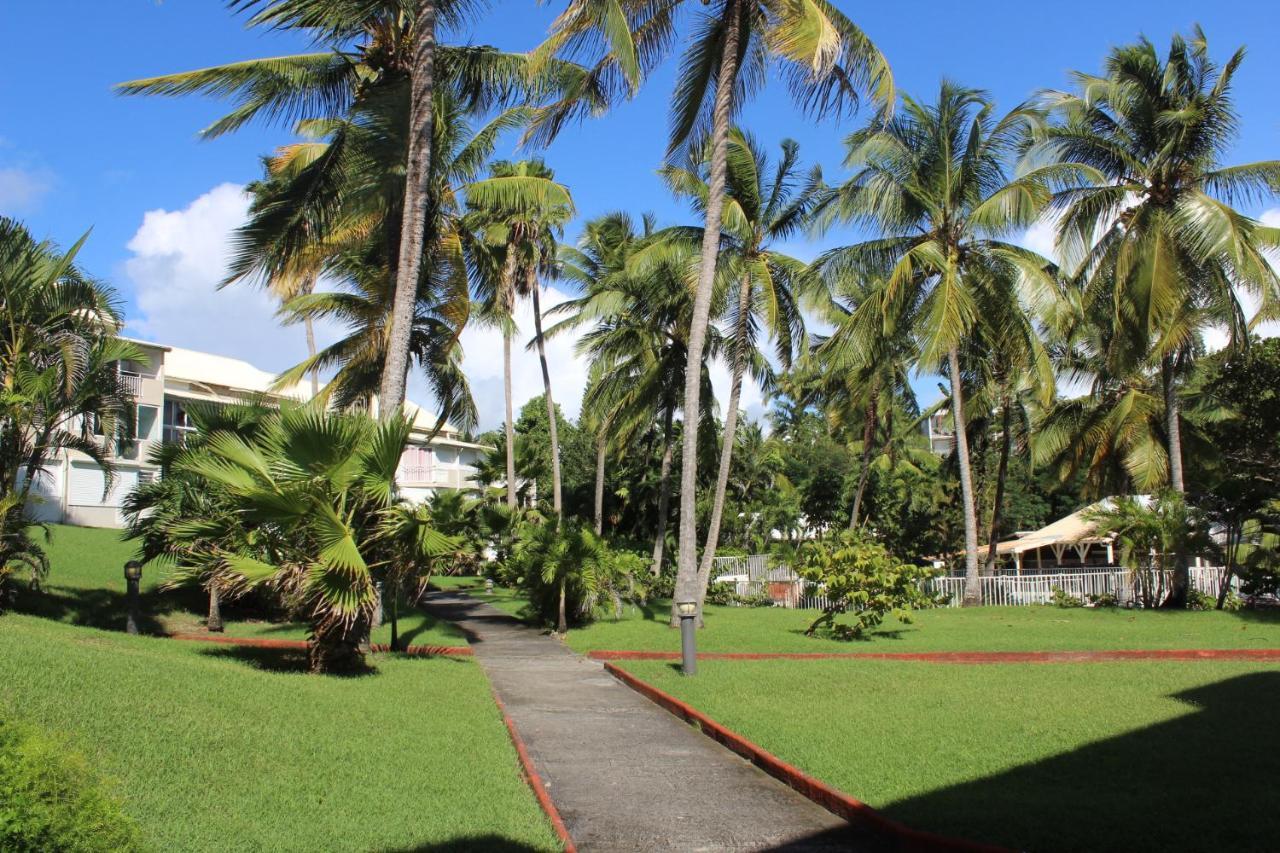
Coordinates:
838 803
268 643
535 781
963 657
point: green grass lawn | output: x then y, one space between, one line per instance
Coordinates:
86 587
1107 756
776 629
227 749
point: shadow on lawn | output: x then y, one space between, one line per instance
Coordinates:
487 842
1202 781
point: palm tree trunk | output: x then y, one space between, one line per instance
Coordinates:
868 436
551 406
972 585
309 287
562 624
687 574
395 618
664 495
214 621
413 218
1181 576
510 424
730 430
1002 473
599 495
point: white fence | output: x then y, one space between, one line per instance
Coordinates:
751 576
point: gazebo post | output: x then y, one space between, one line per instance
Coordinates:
1017 562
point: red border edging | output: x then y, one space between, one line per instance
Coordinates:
268 643
535 781
838 803
963 657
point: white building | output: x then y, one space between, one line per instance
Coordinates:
72 488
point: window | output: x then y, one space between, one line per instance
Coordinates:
177 424
146 422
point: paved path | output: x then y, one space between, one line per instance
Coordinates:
624 774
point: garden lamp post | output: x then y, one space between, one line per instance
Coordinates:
132 575
688 611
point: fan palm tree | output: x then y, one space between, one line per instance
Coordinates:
520 212
1157 232
828 62
320 486
765 203
935 181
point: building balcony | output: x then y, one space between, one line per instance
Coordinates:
436 477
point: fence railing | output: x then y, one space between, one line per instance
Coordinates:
787 590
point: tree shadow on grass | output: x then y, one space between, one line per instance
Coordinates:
288 661
487 842
1202 781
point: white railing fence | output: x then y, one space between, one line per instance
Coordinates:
751 576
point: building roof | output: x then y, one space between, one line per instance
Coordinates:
1074 529
203 368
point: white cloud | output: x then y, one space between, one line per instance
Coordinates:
1040 237
178 259
22 189
482 362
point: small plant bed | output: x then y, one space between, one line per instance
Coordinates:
1021 629
1116 756
214 748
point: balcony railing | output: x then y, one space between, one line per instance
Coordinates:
426 475
132 383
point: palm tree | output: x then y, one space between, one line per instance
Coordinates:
827 60
520 211
764 204
1157 230
60 384
370 52
639 315
935 182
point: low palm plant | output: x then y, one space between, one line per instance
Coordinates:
319 488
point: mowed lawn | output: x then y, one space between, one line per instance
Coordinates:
776 629
1106 756
86 587
215 748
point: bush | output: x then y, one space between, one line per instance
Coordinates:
726 595
859 577
1060 598
1197 600
50 800
1105 599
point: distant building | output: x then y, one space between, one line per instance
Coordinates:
937 428
72 489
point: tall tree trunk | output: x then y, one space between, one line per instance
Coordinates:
972 585
395 617
509 425
413 218
562 624
1002 473
868 436
1180 581
309 287
664 494
214 620
551 406
601 446
721 116
726 447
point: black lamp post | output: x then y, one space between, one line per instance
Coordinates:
688 611
132 575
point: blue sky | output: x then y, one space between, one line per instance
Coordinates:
74 155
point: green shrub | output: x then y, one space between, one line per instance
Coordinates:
1197 600
1060 598
1104 599
50 799
861 578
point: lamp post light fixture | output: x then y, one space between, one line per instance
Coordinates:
132 575
688 611
488 586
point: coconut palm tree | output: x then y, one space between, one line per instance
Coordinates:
936 182
519 212
765 203
828 62
377 52
1157 230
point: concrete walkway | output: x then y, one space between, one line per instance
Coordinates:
623 773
